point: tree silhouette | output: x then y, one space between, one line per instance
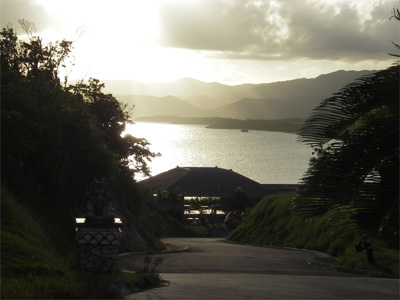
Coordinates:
111 117
354 176
239 201
396 15
57 136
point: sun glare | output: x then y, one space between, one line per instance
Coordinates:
121 39
116 41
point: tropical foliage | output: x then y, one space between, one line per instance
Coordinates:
396 15
271 223
111 117
49 141
354 176
56 137
54 140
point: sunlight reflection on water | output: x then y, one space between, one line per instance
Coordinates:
266 157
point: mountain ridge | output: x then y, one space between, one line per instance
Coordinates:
193 98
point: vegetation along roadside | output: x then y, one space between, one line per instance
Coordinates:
271 222
55 139
347 204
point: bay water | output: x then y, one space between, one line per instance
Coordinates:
264 156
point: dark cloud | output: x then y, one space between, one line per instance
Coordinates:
13 10
340 35
209 24
262 30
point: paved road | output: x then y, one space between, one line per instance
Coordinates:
215 269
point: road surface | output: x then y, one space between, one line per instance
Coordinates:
215 269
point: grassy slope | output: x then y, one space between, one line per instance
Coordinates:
33 267
271 223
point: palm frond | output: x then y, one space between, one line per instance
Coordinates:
355 173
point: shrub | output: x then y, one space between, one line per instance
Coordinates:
272 223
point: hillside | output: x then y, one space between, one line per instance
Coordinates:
55 141
271 222
248 108
266 108
185 87
193 98
322 86
289 99
168 105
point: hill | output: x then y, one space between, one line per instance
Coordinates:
168 105
190 97
322 86
289 99
248 108
271 222
185 87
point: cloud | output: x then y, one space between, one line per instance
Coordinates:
13 10
276 30
211 25
341 35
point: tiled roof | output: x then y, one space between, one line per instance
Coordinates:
204 182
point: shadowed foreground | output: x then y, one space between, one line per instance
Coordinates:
214 269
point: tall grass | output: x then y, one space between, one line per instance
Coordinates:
32 266
270 222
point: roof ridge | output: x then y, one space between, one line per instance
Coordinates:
216 168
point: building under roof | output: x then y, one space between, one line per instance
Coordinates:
205 182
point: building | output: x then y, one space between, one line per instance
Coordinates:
211 182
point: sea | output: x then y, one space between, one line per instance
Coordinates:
264 156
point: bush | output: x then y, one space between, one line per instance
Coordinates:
272 223
33 266
148 276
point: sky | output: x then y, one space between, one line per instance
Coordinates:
227 41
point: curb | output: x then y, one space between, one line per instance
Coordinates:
330 266
315 262
162 252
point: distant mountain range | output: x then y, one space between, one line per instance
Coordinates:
192 98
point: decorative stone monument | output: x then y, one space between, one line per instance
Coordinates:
98 235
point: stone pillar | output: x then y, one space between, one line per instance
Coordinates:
98 235
98 250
